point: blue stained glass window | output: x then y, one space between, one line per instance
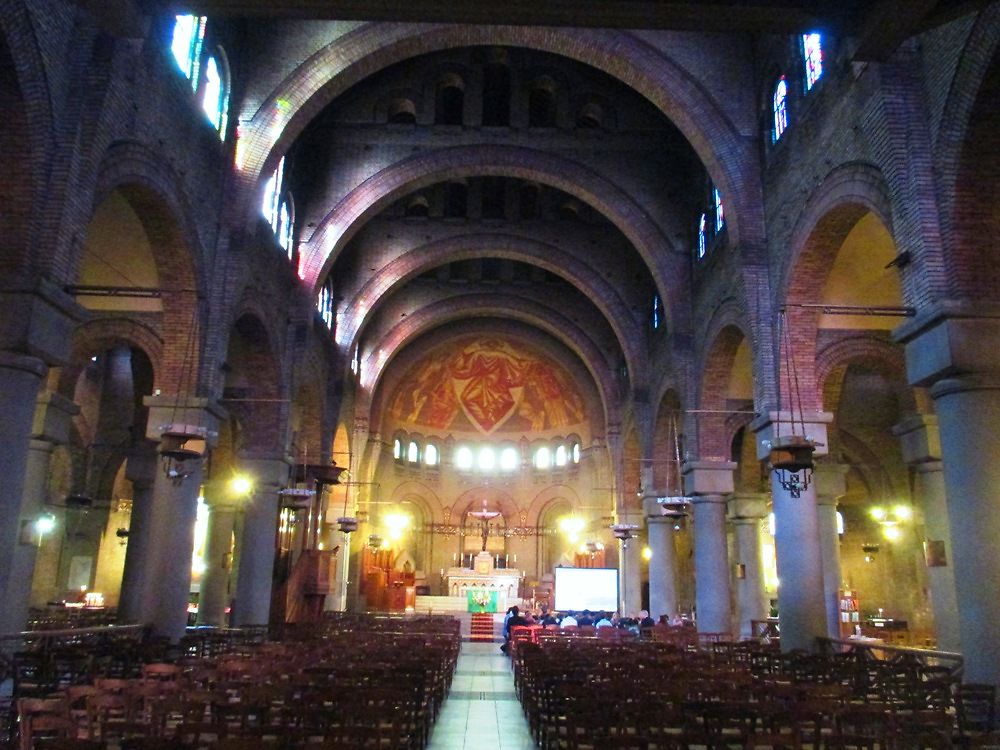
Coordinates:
720 216
188 36
812 56
215 100
780 108
702 236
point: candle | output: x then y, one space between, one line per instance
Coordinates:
454 556
505 561
515 558
442 572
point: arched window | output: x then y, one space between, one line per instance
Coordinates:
560 455
356 360
463 458
397 449
575 453
812 56
657 311
324 303
215 97
286 225
487 459
413 452
418 208
456 200
720 217
702 236
185 44
272 195
541 108
431 455
509 459
543 458
450 105
402 112
779 106
496 95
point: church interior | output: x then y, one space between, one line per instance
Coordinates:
312 311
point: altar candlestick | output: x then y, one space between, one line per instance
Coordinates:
515 558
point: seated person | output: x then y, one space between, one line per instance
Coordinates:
514 619
568 621
585 619
548 619
645 621
603 621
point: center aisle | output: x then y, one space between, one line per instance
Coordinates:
481 711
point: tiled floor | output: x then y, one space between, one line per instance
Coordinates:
481 712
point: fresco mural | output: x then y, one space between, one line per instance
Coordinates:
488 385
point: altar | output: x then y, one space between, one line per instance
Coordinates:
481 582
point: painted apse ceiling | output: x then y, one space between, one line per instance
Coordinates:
488 385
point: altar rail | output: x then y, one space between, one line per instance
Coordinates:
906 656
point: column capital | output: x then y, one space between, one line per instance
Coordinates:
780 423
268 472
831 481
708 500
39 318
964 383
708 477
950 338
25 363
919 438
142 464
200 414
53 417
748 508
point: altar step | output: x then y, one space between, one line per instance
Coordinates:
483 627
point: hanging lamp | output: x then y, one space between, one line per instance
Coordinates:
791 455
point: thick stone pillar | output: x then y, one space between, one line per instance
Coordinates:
747 513
214 594
630 565
952 348
20 378
141 467
921 444
662 562
260 524
708 483
801 602
158 588
831 485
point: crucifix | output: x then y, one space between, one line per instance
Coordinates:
484 516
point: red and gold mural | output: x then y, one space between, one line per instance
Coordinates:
488 384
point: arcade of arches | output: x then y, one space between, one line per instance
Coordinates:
392 273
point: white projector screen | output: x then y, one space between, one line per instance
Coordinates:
595 589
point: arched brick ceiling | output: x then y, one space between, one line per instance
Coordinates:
729 158
592 285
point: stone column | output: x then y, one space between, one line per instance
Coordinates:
952 348
141 467
662 562
831 485
214 594
801 603
20 378
747 513
260 525
161 587
630 565
921 444
708 483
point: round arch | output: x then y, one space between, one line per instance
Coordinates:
729 157
668 269
543 255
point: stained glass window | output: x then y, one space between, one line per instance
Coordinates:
324 304
657 311
543 458
413 452
576 453
780 108
812 56
215 100
561 455
431 454
397 449
720 217
702 236
272 195
188 36
508 459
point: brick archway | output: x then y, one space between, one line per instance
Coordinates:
97 336
667 268
878 354
715 433
847 194
441 313
729 157
549 257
